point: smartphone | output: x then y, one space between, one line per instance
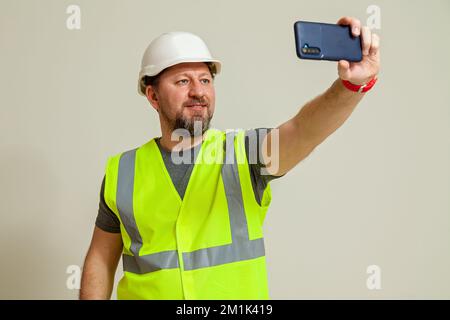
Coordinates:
325 41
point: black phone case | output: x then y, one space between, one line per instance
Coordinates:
324 41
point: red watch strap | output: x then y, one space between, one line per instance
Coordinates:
360 88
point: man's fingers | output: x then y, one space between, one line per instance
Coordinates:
344 64
344 69
375 45
366 38
354 24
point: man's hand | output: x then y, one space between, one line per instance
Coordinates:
323 115
363 71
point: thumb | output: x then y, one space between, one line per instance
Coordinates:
344 69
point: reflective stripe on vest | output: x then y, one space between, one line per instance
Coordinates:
241 248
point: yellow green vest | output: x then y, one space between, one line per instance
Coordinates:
208 245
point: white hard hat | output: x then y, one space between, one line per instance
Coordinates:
172 48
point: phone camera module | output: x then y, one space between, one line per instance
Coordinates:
310 50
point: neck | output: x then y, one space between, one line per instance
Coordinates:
182 144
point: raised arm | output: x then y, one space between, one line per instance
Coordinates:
323 115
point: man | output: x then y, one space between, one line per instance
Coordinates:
193 229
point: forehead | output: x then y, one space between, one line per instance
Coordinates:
187 67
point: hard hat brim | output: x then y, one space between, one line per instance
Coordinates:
152 71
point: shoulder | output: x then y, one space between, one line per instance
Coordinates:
114 158
254 138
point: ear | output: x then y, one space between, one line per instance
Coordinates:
152 97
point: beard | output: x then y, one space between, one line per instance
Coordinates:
194 126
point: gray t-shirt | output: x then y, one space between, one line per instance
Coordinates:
180 174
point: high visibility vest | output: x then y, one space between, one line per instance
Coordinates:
208 245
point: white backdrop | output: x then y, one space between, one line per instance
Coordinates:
376 192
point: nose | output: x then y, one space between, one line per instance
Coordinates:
196 89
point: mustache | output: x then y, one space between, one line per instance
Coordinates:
196 101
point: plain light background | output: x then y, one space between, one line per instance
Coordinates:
376 192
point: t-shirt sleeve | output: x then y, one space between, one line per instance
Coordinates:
106 218
253 147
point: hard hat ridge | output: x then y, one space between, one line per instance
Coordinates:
171 48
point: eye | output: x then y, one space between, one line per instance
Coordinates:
182 81
205 81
